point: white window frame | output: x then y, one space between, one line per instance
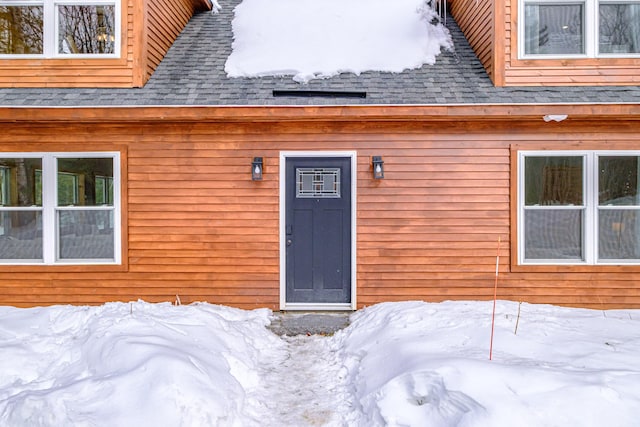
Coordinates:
591 30
50 209
50 28
590 232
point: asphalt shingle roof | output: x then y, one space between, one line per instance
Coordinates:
192 73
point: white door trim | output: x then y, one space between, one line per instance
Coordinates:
283 263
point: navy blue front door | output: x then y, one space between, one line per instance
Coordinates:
318 230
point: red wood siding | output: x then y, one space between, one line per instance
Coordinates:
198 227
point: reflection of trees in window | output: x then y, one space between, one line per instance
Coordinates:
618 180
86 29
553 181
21 30
619 29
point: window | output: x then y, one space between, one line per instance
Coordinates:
59 208
580 28
59 28
579 207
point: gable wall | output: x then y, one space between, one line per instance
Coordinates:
475 19
164 21
198 227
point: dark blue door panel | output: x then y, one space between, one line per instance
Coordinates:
318 228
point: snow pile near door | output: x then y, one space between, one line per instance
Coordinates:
409 363
312 39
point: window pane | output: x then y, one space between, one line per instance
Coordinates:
619 234
21 30
86 29
20 182
618 181
21 235
85 182
553 234
619 27
86 234
554 29
553 181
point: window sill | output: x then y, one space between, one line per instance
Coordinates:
575 268
66 268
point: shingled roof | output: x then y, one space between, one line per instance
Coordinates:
192 73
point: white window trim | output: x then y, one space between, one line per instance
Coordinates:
50 28
49 209
590 232
591 30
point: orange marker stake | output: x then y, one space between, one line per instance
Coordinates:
495 296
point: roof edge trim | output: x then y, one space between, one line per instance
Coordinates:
471 112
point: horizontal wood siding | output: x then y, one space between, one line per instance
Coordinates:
165 20
475 19
199 228
561 72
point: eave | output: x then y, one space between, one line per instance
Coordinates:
244 114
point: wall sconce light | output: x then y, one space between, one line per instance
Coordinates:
256 169
378 167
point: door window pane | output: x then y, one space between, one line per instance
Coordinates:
619 25
553 181
21 30
553 234
318 183
21 235
86 29
86 234
554 29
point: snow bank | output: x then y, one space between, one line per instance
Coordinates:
416 364
398 364
129 364
312 39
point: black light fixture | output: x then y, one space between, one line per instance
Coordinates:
256 169
378 167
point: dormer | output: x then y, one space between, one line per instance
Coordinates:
88 43
554 42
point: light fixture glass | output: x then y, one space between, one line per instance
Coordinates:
378 167
257 169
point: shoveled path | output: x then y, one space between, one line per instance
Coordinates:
305 378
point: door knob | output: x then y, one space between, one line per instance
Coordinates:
289 242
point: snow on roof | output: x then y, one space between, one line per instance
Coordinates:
312 39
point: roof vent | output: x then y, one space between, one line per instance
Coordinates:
319 94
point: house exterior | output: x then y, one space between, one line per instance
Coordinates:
176 182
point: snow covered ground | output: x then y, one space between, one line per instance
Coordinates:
398 364
310 39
